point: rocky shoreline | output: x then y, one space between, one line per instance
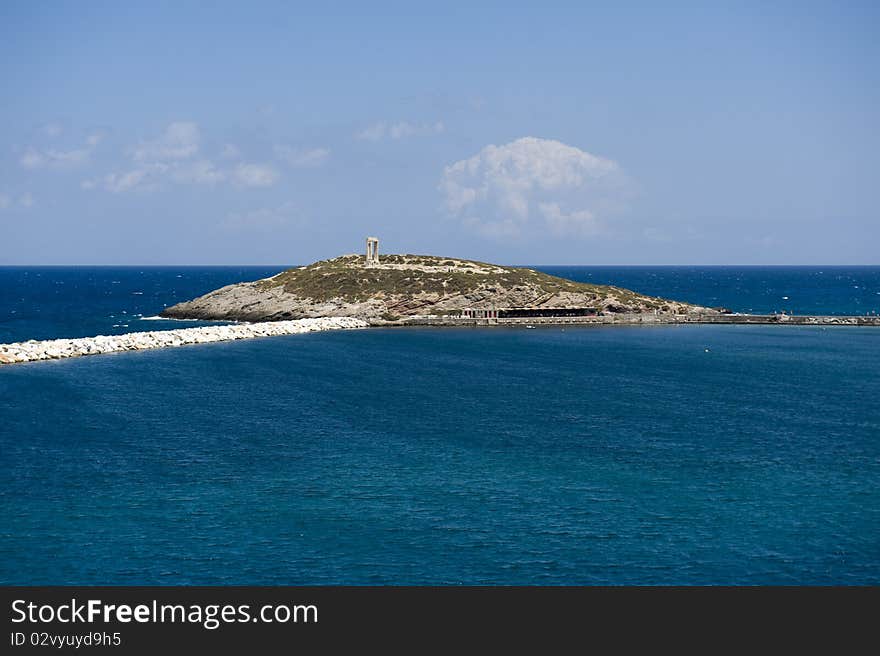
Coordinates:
53 349
655 319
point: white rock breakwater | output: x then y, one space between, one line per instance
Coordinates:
53 349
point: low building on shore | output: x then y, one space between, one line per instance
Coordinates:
527 313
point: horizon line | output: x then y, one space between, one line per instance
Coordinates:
273 265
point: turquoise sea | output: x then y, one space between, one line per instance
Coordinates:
597 455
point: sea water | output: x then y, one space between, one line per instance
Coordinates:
598 455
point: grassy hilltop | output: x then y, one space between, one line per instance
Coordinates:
407 285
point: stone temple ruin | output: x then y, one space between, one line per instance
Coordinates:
372 251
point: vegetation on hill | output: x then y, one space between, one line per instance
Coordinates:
346 278
409 285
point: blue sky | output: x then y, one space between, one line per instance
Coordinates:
539 133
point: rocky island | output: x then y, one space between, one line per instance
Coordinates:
402 288
354 291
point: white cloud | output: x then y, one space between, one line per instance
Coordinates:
201 171
374 132
302 157
54 159
397 131
119 182
7 202
255 175
168 158
150 177
264 218
94 139
52 129
230 151
173 158
50 158
401 130
180 140
532 185
32 159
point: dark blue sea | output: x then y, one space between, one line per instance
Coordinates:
598 455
